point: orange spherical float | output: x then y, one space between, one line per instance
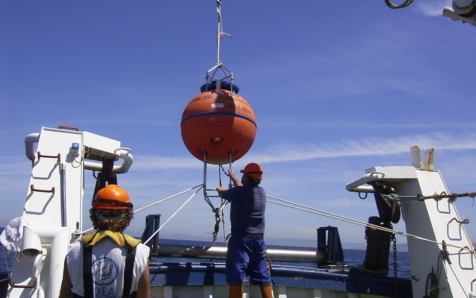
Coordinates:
217 127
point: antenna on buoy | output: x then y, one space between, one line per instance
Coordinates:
218 126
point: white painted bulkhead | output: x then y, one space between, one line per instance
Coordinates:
435 220
52 214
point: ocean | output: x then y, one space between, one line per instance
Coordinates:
352 257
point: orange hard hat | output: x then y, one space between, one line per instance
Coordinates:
112 197
254 170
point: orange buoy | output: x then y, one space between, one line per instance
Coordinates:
220 125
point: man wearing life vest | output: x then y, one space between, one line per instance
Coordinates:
106 262
246 246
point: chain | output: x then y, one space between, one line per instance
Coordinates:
223 170
217 225
403 5
395 264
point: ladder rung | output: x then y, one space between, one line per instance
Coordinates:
49 156
33 189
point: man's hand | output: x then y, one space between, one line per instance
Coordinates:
235 181
220 190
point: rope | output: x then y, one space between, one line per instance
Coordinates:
158 202
175 213
355 221
450 196
220 32
394 6
226 72
443 195
187 190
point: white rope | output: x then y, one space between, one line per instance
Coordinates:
187 190
219 31
158 202
355 221
211 74
175 213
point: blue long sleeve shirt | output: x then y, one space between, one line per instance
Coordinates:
248 205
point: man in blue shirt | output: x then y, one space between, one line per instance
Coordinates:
246 246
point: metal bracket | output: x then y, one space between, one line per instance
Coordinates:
444 252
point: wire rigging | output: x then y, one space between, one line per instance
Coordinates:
158 202
168 198
354 221
211 74
172 216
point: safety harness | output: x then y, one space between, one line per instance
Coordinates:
129 243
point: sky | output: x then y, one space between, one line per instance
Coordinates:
337 87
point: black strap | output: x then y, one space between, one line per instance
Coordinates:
128 270
125 204
88 275
87 272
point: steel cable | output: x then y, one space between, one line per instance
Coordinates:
155 203
355 221
172 216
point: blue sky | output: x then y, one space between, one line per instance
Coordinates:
336 88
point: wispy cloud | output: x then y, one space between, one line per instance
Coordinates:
366 147
150 162
433 7
292 152
313 122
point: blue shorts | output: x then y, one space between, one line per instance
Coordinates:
246 256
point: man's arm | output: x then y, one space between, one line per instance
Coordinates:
65 291
235 181
143 288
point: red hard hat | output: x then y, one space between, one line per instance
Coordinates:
254 170
112 197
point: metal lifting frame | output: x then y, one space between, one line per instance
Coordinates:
207 196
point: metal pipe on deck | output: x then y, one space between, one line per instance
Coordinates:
219 252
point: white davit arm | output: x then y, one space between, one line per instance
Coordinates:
123 153
463 10
30 141
358 185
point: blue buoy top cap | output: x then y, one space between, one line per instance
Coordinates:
224 85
